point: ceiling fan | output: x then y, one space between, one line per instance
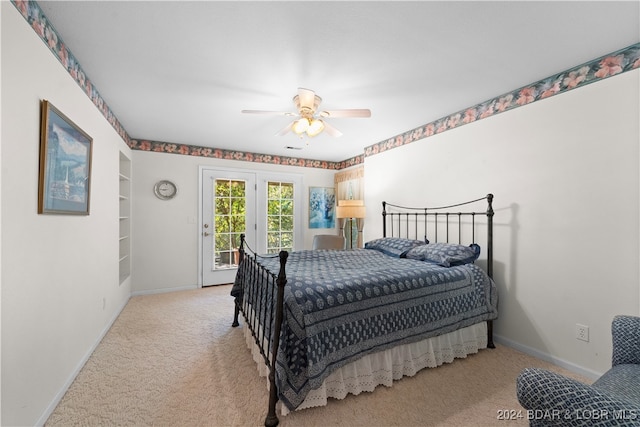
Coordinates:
310 121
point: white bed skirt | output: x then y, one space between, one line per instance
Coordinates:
382 368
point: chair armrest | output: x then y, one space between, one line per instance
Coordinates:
552 399
625 332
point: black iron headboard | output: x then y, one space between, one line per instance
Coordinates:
440 224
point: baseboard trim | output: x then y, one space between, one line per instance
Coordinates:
580 370
163 290
58 397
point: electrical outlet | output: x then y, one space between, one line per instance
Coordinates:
582 332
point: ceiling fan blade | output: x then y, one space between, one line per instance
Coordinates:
306 97
276 113
285 130
331 130
360 112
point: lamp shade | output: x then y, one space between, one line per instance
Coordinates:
351 209
351 202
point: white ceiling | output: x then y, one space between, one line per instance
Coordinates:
180 72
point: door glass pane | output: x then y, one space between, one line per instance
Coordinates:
229 219
279 216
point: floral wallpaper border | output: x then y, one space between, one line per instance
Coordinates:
615 63
31 11
219 153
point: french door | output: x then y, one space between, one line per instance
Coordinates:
266 207
228 210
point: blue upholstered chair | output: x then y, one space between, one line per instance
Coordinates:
612 400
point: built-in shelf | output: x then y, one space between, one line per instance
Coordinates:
125 217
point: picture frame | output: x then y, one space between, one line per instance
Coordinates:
65 164
322 207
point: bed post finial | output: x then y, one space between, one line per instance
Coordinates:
490 235
237 300
384 219
241 248
282 277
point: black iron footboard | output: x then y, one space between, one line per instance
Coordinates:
262 305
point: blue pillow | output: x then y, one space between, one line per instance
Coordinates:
393 246
445 254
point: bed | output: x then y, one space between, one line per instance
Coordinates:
325 323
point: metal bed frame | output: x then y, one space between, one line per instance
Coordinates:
263 290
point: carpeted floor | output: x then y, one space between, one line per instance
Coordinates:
174 360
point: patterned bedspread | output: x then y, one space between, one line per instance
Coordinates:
342 305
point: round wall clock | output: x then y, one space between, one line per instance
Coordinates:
165 190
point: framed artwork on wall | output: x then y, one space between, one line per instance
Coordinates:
322 211
65 164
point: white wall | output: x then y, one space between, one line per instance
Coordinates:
565 175
165 237
56 270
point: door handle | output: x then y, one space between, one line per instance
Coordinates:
205 234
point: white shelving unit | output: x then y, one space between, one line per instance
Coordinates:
125 217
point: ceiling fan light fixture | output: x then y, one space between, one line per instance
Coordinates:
301 126
310 122
315 127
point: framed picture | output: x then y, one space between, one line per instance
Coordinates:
65 164
322 211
